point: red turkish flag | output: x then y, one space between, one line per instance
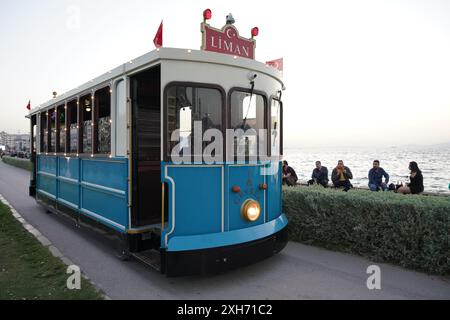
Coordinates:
277 64
158 41
29 105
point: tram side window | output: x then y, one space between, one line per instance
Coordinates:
102 126
187 106
33 150
72 142
44 132
61 127
86 123
52 142
275 128
247 118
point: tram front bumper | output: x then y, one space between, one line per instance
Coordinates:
221 259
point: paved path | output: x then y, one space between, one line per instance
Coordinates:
298 272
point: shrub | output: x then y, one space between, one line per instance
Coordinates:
410 231
17 162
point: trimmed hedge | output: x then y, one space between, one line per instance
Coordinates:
407 230
17 162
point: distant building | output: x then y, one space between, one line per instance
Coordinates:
17 142
3 137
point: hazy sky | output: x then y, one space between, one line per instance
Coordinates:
357 72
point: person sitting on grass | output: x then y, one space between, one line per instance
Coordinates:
319 175
289 176
376 175
416 181
341 176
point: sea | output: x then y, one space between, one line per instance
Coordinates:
434 161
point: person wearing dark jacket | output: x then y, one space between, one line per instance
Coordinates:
416 181
289 176
376 175
341 176
319 175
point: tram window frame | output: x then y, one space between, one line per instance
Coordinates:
280 154
194 85
96 118
72 112
61 128
230 144
43 132
83 113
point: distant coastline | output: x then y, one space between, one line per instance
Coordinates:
433 160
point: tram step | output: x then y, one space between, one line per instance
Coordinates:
151 258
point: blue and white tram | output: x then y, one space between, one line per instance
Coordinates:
104 155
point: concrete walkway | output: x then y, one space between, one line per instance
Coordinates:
299 272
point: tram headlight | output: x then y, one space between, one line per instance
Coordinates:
251 210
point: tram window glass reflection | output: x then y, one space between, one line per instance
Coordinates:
185 107
102 124
247 114
275 127
52 142
61 127
73 126
86 124
44 132
185 128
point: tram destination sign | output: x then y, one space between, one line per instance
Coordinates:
227 41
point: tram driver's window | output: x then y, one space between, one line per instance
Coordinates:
86 125
179 117
73 127
189 106
102 123
247 119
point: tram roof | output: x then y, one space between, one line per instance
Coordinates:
153 57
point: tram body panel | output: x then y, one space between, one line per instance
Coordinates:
249 179
198 199
92 187
200 207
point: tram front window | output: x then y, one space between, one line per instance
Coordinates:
247 119
190 109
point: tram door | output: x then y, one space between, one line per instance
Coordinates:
146 111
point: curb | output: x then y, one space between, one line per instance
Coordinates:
47 243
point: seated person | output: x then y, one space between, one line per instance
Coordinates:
341 176
376 175
416 181
289 176
319 175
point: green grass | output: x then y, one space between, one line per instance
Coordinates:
17 162
28 271
407 230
